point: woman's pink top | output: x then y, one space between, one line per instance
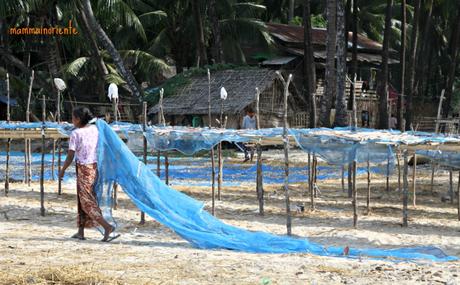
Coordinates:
84 142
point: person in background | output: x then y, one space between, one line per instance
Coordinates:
249 122
83 146
393 122
365 118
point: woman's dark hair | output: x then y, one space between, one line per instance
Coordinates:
82 113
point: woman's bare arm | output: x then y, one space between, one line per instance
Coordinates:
67 163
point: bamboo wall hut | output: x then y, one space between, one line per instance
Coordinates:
191 101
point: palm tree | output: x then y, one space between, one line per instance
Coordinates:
87 10
200 41
454 47
217 43
402 61
383 86
309 68
411 68
340 104
331 75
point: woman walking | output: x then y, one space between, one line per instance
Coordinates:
83 146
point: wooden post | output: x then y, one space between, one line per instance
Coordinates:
438 117
162 121
219 153
350 178
144 126
53 153
166 168
355 196
368 202
311 178
8 144
315 175
405 189
433 167
259 176
286 151
213 174
451 187
28 141
59 166
42 170
388 174
354 119
458 196
414 172
398 154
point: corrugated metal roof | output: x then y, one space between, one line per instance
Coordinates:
295 35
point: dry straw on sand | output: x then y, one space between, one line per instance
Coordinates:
67 275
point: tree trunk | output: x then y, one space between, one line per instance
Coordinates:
95 52
383 86
411 68
291 10
108 45
354 56
200 43
402 61
217 46
453 63
331 74
309 69
341 100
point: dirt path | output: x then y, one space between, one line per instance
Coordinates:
36 249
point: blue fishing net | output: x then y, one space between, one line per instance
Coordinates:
186 216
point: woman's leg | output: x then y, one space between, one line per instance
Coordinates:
87 200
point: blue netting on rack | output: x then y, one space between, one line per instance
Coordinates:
186 216
442 157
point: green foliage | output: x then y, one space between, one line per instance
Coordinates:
317 21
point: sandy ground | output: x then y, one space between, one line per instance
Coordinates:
38 250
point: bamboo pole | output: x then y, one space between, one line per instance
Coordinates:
259 176
315 175
433 167
398 154
350 177
368 200
59 165
42 169
458 196
388 174
166 168
219 154
162 121
8 144
311 178
414 173
213 174
343 178
355 196
405 189
451 187
53 160
144 125
28 141
286 151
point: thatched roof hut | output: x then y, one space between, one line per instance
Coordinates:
191 100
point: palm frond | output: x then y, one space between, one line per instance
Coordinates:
120 13
145 62
75 66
